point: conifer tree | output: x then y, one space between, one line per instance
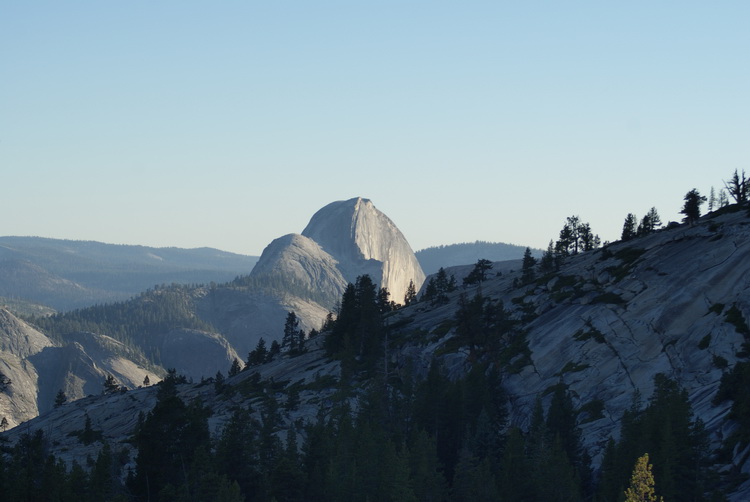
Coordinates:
290 337
258 355
235 369
111 385
410 297
692 207
479 273
60 398
650 222
641 487
527 267
547 263
629 227
712 201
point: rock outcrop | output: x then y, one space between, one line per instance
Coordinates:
39 367
363 240
342 241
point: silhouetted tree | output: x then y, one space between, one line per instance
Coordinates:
650 222
527 267
589 241
438 287
384 303
410 297
60 398
273 351
723 198
629 227
219 382
738 187
712 201
111 385
258 355
235 369
692 207
479 273
547 263
291 333
576 236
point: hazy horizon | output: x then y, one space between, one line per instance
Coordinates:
190 125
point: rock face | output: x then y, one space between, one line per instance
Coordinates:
343 240
196 353
39 367
300 261
308 273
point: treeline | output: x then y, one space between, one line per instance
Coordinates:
432 440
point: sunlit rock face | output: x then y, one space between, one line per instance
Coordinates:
39 367
363 240
298 260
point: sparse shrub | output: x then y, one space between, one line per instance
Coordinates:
591 411
572 367
705 342
716 308
720 362
609 297
592 332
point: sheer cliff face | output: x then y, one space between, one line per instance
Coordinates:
363 240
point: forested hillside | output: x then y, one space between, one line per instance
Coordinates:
588 373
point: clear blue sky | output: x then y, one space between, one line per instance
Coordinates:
229 123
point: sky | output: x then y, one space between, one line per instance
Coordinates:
227 124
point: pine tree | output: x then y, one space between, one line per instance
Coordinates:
712 201
410 297
219 382
111 385
629 227
547 263
527 267
650 222
479 273
290 338
641 487
235 369
258 355
60 398
692 207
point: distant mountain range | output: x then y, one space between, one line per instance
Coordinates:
67 274
451 255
